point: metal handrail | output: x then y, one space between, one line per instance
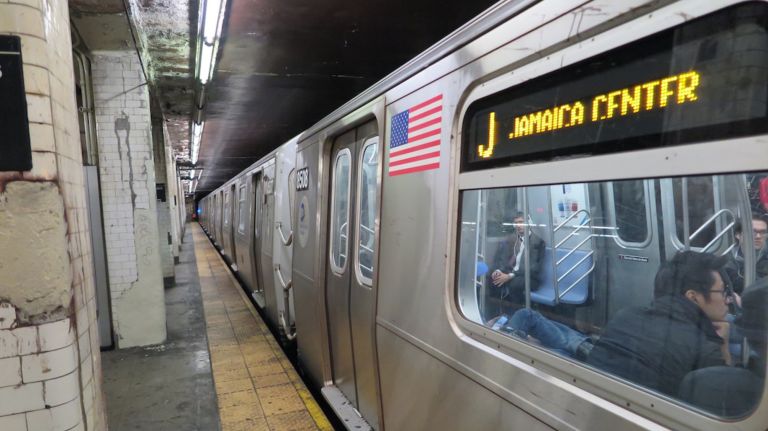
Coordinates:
719 235
591 252
570 217
286 286
556 263
573 250
728 250
369 230
286 241
343 235
567 237
709 221
568 289
290 335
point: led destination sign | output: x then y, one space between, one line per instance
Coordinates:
686 84
647 96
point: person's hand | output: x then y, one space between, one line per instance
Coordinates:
723 329
736 298
499 278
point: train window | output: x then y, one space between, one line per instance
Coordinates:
366 217
340 211
242 210
543 265
630 210
701 80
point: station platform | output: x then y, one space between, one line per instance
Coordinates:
220 367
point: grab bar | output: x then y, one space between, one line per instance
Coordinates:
572 268
568 289
286 241
710 221
578 228
569 218
290 335
286 286
718 236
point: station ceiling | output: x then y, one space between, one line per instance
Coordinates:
283 65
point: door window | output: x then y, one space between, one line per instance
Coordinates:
243 210
630 210
340 211
366 217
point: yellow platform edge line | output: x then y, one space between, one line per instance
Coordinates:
313 408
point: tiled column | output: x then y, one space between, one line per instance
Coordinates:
127 175
50 369
174 199
163 205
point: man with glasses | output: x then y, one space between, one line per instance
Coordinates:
684 329
735 267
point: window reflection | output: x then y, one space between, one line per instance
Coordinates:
582 271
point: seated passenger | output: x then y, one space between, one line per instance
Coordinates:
683 330
734 391
509 263
551 334
735 267
754 324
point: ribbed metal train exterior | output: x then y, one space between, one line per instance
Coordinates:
372 253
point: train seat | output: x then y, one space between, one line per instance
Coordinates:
545 294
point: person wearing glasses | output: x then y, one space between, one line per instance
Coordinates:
683 330
735 267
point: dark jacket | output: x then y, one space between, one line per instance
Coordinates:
657 346
503 254
735 268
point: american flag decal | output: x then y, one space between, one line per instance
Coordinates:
415 143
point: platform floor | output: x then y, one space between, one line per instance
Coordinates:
257 386
220 367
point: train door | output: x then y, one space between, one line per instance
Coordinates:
350 290
267 239
233 214
258 200
630 243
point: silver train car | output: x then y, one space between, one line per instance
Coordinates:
617 133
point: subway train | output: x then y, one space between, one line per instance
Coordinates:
610 135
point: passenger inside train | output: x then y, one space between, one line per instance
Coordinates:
683 330
510 262
735 266
632 279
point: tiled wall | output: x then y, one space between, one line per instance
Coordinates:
50 377
127 175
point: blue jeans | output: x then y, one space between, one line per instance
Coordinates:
553 335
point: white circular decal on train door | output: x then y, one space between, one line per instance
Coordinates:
304 221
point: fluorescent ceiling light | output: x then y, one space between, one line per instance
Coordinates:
211 27
206 63
197 135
